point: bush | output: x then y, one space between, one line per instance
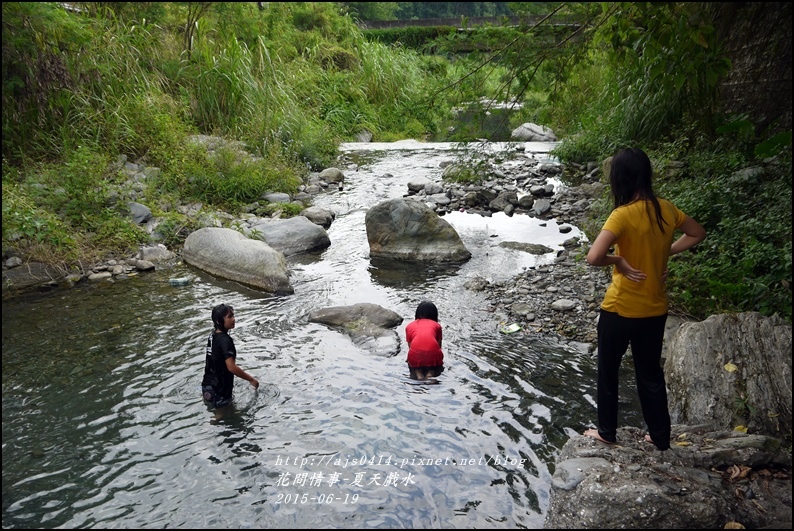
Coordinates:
745 263
227 177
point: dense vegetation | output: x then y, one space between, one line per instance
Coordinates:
82 87
292 79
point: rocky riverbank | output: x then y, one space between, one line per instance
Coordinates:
708 479
560 299
712 476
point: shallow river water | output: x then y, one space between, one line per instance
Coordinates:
103 425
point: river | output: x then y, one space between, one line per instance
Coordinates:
103 426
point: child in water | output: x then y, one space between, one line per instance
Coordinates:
220 365
425 358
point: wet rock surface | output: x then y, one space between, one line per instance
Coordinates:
707 479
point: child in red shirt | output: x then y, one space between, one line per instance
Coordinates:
425 358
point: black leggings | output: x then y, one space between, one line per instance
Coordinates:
645 335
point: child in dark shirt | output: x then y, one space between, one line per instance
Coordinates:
220 365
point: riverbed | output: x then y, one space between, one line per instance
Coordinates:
103 425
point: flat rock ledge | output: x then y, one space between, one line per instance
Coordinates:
708 479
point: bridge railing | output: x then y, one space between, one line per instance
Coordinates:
460 22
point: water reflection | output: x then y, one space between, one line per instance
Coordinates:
393 273
103 425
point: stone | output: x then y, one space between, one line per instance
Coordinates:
229 254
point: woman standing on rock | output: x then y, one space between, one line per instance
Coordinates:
634 311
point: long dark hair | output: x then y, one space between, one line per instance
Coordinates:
426 310
218 314
629 176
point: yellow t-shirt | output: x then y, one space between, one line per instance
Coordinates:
646 248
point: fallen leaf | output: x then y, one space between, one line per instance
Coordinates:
734 525
739 471
730 367
683 443
683 436
740 428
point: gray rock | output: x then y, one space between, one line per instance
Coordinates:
332 175
541 206
503 201
28 275
368 325
631 485
440 199
433 188
571 472
140 213
409 230
563 305
529 132
291 235
319 216
531 248
417 184
14 261
476 284
276 197
154 253
227 253
526 201
144 265
704 388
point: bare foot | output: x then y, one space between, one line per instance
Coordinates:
592 432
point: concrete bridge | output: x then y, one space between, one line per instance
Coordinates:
461 22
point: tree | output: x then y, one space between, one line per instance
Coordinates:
195 10
665 59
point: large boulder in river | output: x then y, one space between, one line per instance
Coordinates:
407 229
368 325
529 132
229 254
732 369
291 235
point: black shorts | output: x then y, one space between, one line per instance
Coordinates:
438 369
212 399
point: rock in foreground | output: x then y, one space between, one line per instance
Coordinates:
707 479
